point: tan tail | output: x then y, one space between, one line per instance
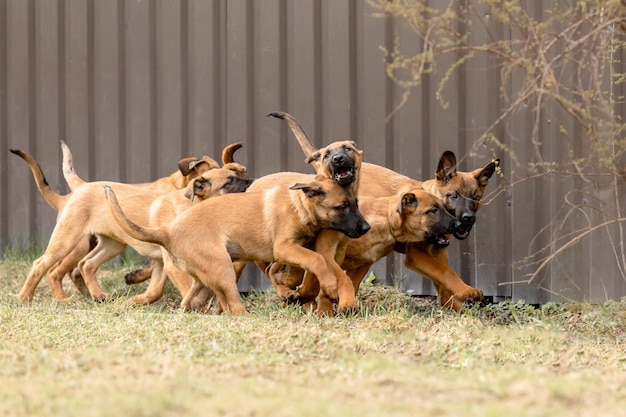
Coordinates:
70 175
156 236
228 152
301 136
54 199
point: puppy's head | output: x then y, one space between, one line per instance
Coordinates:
216 182
421 217
332 206
461 192
340 161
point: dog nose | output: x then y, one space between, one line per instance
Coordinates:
468 218
338 159
364 227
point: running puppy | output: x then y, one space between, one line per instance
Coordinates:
273 225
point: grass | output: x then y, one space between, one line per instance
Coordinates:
398 355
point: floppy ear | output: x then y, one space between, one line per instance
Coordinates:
446 169
185 165
313 157
360 152
197 187
310 190
483 175
408 204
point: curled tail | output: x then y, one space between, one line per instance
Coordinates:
228 152
300 134
54 199
71 177
156 236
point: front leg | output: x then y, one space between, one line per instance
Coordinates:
273 272
288 252
431 262
331 245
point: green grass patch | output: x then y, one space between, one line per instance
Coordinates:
396 356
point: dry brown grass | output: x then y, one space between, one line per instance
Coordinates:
397 356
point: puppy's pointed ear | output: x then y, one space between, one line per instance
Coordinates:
310 190
408 204
482 175
446 168
313 157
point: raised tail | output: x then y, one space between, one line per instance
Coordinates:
300 134
156 236
70 175
54 199
228 152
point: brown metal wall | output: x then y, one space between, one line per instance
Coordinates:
133 86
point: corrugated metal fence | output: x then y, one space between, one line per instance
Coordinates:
133 86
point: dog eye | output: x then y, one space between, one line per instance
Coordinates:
453 196
327 154
433 210
343 206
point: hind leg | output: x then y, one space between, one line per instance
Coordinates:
195 295
86 245
155 290
61 242
68 266
216 272
105 250
139 275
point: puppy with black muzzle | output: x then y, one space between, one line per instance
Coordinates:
275 225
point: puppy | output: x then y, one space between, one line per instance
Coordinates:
87 204
274 225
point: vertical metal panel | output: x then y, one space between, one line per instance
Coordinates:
304 68
105 90
19 114
4 134
133 86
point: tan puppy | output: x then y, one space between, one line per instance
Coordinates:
83 219
189 168
341 162
411 216
274 225
57 202
460 192
140 275
213 183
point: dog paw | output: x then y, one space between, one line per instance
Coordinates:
471 295
331 293
102 297
348 309
138 300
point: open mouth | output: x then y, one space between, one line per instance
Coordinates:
442 241
439 240
344 175
461 232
